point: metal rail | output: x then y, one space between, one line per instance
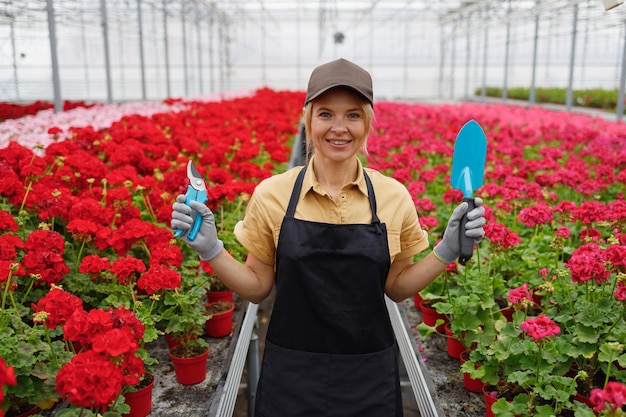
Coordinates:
422 385
228 398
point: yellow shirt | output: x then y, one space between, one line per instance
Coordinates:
258 232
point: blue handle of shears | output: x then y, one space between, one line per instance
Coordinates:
193 195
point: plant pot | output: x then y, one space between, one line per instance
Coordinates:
189 370
489 401
508 314
430 316
215 296
417 299
581 398
509 394
455 347
140 401
472 384
221 322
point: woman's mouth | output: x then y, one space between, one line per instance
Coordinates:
338 142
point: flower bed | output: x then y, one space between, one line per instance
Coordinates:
87 221
554 249
86 245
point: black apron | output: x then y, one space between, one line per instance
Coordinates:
330 349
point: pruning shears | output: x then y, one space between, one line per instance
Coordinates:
196 191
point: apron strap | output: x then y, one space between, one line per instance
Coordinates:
295 194
372 197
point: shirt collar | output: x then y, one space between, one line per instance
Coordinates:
310 182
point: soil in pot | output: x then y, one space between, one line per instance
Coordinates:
218 307
189 351
191 366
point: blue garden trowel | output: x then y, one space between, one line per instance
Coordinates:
468 171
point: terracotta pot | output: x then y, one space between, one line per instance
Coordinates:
472 384
430 316
455 347
215 296
220 324
190 371
140 401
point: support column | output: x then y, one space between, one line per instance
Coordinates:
107 58
141 52
56 80
167 53
533 93
570 92
622 83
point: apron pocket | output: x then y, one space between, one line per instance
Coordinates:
306 384
365 385
292 383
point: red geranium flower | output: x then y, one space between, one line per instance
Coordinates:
159 278
520 295
114 342
59 305
44 256
500 236
535 215
94 265
9 244
7 377
586 263
90 380
540 327
126 269
613 396
7 222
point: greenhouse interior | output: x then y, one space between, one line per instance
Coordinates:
137 134
148 49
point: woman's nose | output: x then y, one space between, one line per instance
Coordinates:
339 125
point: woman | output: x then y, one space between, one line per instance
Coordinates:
334 238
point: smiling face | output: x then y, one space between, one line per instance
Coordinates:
338 123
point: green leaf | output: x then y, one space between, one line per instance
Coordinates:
586 334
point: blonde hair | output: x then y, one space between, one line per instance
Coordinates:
367 109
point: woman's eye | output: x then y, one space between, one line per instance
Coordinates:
354 116
324 115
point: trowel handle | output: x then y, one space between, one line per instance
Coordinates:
467 243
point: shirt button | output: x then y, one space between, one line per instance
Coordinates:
343 196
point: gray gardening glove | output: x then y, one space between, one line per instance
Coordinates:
206 242
449 249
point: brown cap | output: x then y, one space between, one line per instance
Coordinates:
339 73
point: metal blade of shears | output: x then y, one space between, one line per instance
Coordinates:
196 191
